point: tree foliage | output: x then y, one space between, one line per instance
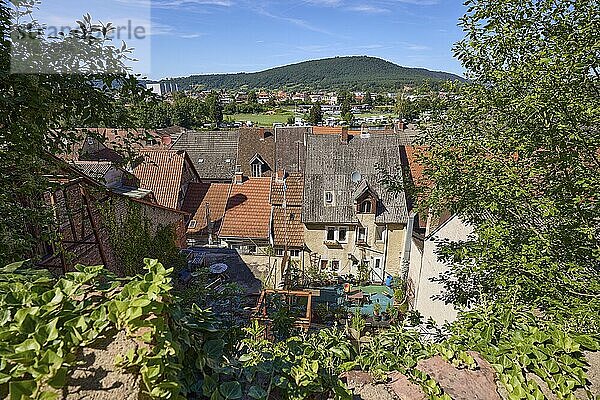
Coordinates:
315 115
515 153
39 114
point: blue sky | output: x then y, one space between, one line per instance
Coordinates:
214 36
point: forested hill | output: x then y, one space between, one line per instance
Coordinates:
330 73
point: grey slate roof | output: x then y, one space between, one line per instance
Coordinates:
329 167
94 169
209 151
290 150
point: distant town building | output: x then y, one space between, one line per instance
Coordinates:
163 88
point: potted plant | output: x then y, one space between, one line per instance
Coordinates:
377 311
385 315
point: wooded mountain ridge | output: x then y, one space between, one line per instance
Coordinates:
339 73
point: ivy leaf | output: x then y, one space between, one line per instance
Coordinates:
231 390
60 379
258 393
21 389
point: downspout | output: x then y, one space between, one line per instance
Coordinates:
405 263
385 252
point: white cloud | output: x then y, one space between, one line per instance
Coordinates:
369 9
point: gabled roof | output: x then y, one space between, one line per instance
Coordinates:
94 169
214 154
162 172
330 166
256 143
248 211
206 203
258 158
113 143
290 148
362 188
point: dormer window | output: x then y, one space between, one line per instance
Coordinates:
256 170
329 198
257 166
366 206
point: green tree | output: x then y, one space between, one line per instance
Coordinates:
39 113
315 115
515 154
214 108
188 112
368 99
346 112
252 97
291 120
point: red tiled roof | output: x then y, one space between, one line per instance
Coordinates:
411 154
287 226
248 211
294 190
162 172
416 169
328 130
203 198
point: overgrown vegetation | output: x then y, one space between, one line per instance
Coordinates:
39 113
515 154
46 320
132 239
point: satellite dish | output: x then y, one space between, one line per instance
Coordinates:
356 177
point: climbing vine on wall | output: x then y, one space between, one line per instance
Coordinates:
133 239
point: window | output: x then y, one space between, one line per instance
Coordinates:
256 170
200 160
380 234
330 234
337 234
365 207
193 223
329 198
335 265
324 264
292 216
279 251
362 235
295 253
342 235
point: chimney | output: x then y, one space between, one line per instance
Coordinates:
263 134
166 140
281 175
239 178
344 135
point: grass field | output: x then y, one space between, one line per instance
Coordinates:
260 119
267 120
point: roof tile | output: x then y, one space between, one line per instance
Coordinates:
204 200
248 211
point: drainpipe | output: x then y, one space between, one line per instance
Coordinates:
405 263
385 251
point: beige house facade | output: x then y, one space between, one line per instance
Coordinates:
353 224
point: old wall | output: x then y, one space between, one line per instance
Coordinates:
425 289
